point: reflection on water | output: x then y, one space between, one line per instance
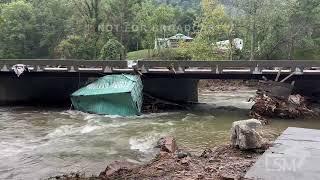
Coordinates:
38 143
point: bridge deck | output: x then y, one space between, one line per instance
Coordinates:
169 68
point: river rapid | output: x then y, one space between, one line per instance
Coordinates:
37 143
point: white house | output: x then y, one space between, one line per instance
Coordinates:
171 42
237 44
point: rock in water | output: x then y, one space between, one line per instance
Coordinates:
167 144
245 136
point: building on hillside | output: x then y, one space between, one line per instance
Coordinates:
171 42
225 45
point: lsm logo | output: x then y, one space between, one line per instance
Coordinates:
287 159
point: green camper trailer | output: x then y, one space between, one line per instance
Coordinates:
112 95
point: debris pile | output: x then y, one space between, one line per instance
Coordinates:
294 106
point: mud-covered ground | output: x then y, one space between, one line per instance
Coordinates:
223 162
227 85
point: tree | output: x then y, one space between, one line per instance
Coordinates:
75 47
112 50
213 26
276 29
90 24
153 21
53 22
18 34
120 17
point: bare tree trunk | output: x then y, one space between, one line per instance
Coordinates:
253 38
231 45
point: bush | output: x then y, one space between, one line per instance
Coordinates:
173 54
112 50
75 47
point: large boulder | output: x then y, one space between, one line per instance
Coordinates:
244 134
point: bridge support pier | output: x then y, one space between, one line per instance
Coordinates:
54 89
310 88
176 90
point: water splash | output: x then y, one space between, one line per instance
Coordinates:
89 128
146 143
62 131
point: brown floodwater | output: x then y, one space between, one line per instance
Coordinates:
36 143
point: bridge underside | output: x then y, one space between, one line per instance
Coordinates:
55 88
52 88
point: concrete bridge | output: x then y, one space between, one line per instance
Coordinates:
52 81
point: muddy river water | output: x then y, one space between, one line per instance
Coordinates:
36 143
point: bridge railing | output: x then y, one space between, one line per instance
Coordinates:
227 66
40 65
148 66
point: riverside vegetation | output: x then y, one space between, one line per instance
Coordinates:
109 29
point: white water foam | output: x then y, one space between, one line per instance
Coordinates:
89 128
145 144
62 131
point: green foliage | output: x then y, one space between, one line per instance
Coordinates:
154 19
75 47
183 4
213 26
277 29
112 50
18 33
53 22
140 54
172 54
120 16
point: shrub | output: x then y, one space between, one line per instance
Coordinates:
112 50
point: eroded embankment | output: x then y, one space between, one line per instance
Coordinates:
222 162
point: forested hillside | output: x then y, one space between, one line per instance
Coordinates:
185 4
109 29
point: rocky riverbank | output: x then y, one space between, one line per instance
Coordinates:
222 162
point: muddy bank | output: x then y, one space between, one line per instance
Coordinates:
222 162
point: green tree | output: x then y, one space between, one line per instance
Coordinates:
120 16
112 50
154 21
53 21
214 25
18 34
91 22
75 47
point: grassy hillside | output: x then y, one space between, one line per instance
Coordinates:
135 55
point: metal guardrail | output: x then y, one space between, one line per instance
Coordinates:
148 66
40 65
218 67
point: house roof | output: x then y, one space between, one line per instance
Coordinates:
180 36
